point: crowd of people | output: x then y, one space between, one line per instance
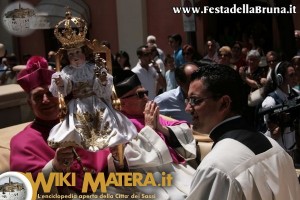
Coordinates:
7 74
164 100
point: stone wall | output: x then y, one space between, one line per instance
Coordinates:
13 106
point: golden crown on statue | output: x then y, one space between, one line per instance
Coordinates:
71 31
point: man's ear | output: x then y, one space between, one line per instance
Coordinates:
225 103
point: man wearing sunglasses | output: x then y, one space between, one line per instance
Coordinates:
156 147
243 163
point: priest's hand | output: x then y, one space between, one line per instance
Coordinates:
150 114
63 159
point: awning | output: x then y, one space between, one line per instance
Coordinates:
54 10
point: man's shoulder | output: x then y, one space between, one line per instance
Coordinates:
167 96
214 165
137 66
137 69
25 135
159 50
226 155
159 61
6 137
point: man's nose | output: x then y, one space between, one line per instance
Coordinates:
188 108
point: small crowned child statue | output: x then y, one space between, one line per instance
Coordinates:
90 122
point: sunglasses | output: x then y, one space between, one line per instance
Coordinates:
139 94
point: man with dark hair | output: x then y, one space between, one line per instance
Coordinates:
175 42
148 71
211 48
243 163
172 102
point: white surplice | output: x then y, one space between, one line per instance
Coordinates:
244 175
149 153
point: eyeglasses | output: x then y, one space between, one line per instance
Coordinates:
194 101
139 94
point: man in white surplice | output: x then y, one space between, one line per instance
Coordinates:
243 163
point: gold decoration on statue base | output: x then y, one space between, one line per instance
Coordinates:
93 134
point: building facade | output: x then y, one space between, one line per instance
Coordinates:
126 24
